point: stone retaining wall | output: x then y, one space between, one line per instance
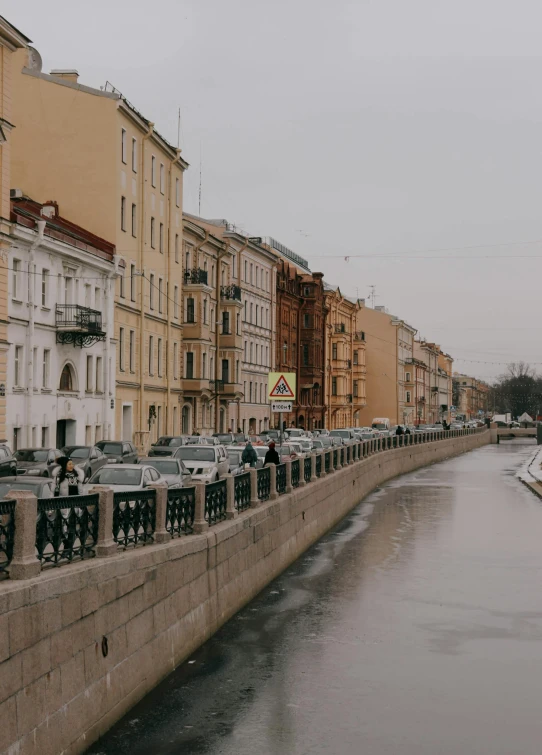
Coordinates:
81 644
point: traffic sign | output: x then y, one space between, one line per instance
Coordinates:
281 406
281 385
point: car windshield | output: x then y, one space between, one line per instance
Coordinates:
379 426
78 453
5 487
110 448
164 467
169 442
196 453
234 457
108 476
29 454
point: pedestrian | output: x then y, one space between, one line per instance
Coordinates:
68 478
271 457
399 430
249 455
407 431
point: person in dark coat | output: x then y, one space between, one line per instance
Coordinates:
407 431
249 455
271 457
399 430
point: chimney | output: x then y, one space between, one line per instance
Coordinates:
66 74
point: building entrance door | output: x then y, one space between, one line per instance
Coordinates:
65 432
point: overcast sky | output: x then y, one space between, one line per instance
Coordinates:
372 127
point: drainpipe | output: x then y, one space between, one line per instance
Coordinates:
109 334
141 250
30 330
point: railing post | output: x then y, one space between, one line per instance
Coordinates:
254 500
161 535
302 482
200 525
24 564
323 463
273 495
105 545
313 468
339 465
288 464
231 511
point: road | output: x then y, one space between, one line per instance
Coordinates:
415 627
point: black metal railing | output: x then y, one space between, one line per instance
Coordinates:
296 473
327 462
281 479
79 318
196 275
340 328
359 335
134 518
66 528
216 500
241 489
318 465
180 511
230 292
348 454
341 456
307 468
264 483
7 533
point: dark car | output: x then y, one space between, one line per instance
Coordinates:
167 445
8 463
87 458
38 462
118 452
42 487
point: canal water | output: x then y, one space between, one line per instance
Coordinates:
413 628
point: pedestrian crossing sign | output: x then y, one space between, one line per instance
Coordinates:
281 385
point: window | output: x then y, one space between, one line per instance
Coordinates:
134 220
121 286
205 311
251 312
245 352
66 379
187 261
246 274
99 375
18 367
44 287
238 324
256 320
246 310
16 279
355 388
333 386
162 178
153 233
121 349
408 397
334 351
45 368
176 302
204 366
356 357
97 298
153 171
306 321
257 276
225 370
151 291
307 291
131 350
161 239
407 377
177 192
159 357
305 353
134 155
237 371
189 365
175 360
44 437
177 248
123 145
190 314
226 323
34 367
132 282
151 355
123 213
160 293
251 271
90 375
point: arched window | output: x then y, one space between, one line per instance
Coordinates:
67 381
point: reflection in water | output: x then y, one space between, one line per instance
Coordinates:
414 627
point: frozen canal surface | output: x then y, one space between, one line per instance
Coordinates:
415 627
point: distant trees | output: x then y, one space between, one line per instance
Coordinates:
517 391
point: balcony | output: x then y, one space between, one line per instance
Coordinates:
340 328
349 398
226 390
196 276
230 340
232 293
196 386
77 325
359 335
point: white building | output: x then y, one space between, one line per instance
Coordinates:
61 359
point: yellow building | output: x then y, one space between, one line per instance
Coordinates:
11 39
345 361
115 175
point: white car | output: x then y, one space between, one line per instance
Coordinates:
205 463
173 471
124 477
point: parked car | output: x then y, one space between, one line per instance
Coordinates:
317 445
87 458
8 463
234 459
346 435
295 432
37 462
287 452
123 477
166 445
225 439
306 445
201 440
42 487
206 463
118 452
173 471
272 435
326 441
240 438
260 452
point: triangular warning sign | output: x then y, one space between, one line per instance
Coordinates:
281 389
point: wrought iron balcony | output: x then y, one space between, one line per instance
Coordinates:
359 335
196 275
340 328
230 292
80 326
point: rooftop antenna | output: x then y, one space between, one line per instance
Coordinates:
372 295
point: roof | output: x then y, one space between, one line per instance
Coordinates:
14 35
26 212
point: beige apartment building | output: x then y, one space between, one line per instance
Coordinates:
429 353
11 40
345 394
115 175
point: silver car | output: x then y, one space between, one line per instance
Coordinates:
206 463
173 471
125 477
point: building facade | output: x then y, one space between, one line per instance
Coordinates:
415 389
473 396
61 381
405 352
345 362
116 176
11 39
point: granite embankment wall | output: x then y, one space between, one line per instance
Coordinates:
81 644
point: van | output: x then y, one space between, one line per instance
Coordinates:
380 423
